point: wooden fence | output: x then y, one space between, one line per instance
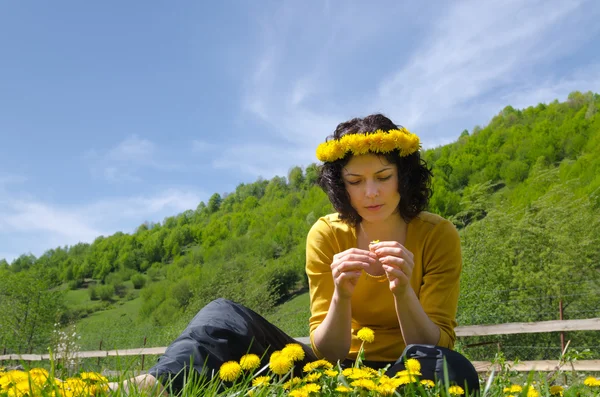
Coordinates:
591 324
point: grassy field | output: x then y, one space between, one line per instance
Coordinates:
292 316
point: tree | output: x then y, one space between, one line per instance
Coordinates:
214 203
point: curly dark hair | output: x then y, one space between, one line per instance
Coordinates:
414 176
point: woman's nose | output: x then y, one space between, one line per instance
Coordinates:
372 190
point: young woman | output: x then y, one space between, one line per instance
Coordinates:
380 261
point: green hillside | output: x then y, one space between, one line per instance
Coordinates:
524 192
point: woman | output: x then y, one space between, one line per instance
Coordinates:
381 261
404 287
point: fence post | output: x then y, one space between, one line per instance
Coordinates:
99 348
562 333
143 356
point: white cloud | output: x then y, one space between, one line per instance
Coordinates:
133 149
35 226
447 70
479 51
264 160
126 161
202 146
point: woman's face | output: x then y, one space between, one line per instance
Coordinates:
372 184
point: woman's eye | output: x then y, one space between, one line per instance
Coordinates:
353 182
385 178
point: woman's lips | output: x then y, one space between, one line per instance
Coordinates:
374 207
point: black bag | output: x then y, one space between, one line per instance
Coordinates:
460 370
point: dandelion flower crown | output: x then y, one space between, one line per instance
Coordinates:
371 142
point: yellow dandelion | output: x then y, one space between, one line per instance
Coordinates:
557 390
405 373
406 379
428 383
413 366
532 392
230 371
386 389
513 389
291 383
312 388
294 351
313 377
356 373
591 381
280 364
298 393
261 381
332 373
93 377
343 389
249 362
366 335
314 365
364 384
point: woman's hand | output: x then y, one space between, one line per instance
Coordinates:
347 267
397 262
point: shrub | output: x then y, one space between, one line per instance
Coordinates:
138 281
105 292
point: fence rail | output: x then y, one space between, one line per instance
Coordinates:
591 324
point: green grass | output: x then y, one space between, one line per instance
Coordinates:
292 316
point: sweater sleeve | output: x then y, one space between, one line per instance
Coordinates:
320 248
442 262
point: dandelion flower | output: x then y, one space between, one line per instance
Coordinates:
298 393
249 362
313 377
513 389
366 335
357 373
386 389
332 373
291 383
413 366
532 392
343 389
93 377
294 351
428 383
261 381
364 383
230 371
456 391
280 364
309 367
312 388
591 381
557 390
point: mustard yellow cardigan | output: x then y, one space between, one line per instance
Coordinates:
435 243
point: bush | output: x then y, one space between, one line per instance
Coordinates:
105 292
93 294
74 284
138 281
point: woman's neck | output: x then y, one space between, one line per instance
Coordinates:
393 228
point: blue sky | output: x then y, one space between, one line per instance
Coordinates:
114 113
